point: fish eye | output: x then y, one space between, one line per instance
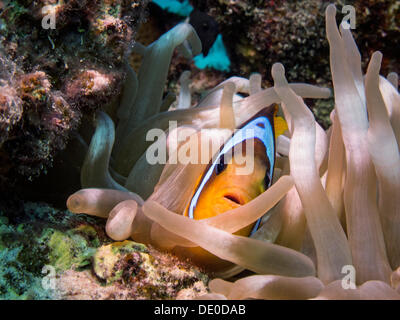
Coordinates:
220 166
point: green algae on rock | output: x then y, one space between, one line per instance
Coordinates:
149 273
108 259
130 270
69 250
34 236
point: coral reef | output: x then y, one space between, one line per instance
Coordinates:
34 238
259 33
33 235
113 171
149 274
334 203
51 79
51 75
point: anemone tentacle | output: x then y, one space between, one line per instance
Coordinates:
362 216
346 178
95 169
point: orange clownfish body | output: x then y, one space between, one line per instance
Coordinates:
238 173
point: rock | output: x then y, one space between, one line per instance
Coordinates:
51 78
148 273
108 260
47 253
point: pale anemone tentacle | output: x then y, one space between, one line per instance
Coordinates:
321 147
211 296
180 177
202 118
395 280
235 219
184 101
145 174
95 169
99 202
358 147
255 83
370 290
393 78
226 113
214 96
120 179
268 287
242 85
149 173
220 286
329 238
148 100
336 168
392 102
362 216
258 256
166 240
283 145
353 59
143 177
178 136
129 93
271 226
139 48
294 230
141 227
321 141
291 212
294 221
386 158
238 218
120 219
308 246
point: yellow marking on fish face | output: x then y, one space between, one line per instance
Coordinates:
280 126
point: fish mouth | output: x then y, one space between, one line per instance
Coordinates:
235 198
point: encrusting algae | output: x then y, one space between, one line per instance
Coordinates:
333 202
52 254
53 76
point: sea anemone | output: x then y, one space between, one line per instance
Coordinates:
332 207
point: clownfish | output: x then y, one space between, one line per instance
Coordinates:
224 185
